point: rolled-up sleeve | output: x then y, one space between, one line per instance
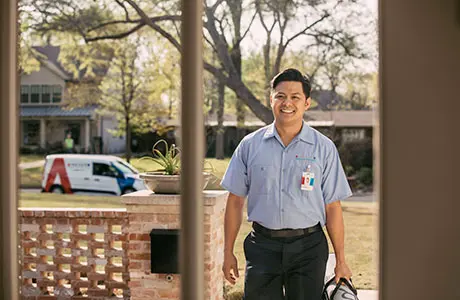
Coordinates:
235 179
334 182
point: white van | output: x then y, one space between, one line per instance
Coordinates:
70 173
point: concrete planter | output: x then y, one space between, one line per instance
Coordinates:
160 183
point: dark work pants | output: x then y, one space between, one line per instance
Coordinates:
285 268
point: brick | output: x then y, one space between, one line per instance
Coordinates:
26 213
135 265
81 237
45 297
60 214
95 214
112 284
46 252
39 214
61 228
63 260
139 237
30 274
29 259
98 292
96 245
139 256
97 221
29 244
96 276
43 267
135 283
30 227
46 237
80 284
116 269
114 253
97 261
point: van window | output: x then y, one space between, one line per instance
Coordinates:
124 168
101 169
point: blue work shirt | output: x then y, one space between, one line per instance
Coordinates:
270 175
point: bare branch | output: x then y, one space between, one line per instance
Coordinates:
305 29
113 36
215 6
247 29
124 8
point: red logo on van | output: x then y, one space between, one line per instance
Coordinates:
58 167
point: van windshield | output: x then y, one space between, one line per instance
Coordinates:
125 168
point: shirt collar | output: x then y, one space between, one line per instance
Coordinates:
306 134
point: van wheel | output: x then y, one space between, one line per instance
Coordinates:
57 190
128 190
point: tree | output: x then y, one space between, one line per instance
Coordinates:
125 93
116 19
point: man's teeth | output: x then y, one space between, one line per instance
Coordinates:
287 111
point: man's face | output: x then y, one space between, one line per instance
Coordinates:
289 103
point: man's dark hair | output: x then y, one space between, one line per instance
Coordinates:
292 75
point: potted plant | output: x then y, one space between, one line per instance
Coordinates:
167 179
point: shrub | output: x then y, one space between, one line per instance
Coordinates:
365 176
356 155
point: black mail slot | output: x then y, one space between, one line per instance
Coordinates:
164 248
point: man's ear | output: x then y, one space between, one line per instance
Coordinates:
307 103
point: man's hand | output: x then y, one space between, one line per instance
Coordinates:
342 271
230 267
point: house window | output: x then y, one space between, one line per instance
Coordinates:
35 93
57 93
46 94
25 93
31 133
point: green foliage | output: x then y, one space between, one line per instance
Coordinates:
365 176
170 161
356 154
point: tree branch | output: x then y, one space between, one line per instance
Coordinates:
112 36
124 8
247 29
306 29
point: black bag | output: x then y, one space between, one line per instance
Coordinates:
344 290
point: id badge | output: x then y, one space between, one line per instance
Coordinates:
308 180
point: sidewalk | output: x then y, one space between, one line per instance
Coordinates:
32 164
362 294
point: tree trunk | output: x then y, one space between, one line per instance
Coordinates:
220 153
128 139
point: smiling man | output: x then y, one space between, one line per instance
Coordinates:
293 179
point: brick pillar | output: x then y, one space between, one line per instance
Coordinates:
147 211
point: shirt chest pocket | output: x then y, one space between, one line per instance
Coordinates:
307 173
262 177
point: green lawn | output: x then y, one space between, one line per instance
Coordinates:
31 178
48 200
30 157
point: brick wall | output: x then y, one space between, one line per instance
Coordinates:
74 254
147 212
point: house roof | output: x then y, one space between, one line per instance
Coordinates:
55 111
52 62
314 118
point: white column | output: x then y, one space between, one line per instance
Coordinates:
42 133
87 135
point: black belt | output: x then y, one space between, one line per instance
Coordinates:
284 232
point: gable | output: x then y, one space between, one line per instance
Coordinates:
43 76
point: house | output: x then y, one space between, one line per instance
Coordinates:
341 126
45 120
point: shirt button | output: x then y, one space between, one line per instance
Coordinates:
282 190
284 169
